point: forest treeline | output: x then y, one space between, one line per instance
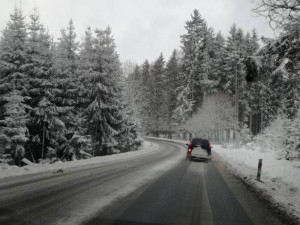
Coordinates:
61 99
218 86
70 100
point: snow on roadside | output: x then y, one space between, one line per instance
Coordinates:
9 171
280 178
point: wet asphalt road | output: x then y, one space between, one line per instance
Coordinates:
188 193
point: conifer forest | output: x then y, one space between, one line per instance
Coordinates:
69 99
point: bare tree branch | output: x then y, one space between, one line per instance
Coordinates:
278 12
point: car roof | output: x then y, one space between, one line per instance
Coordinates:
199 139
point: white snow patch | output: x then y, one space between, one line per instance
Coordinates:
9 171
280 178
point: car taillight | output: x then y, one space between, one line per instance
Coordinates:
189 150
209 145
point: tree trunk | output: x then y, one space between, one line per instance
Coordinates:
32 157
250 121
94 149
261 121
43 144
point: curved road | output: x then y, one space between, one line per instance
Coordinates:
159 188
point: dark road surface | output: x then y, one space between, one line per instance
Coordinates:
123 193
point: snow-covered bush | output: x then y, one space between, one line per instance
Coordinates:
245 135
274 135
292 138
283 137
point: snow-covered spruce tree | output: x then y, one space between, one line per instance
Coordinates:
39 79
193 47
47 130
66 57
208 59
104 112
265 103
131 139
277 64
239 48
201 66
184 106
290 66
157 110
252 75
136 94
68 70
283 52
217 54
128 68
66 65
14 86
140 93
171 83
146 95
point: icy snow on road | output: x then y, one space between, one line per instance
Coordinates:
9 171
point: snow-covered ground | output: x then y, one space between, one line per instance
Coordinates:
9 171
280 178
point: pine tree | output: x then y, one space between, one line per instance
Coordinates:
171 83
233 79
158 108
131 138
135 95
219 52
14 85
71 96
46 126
66 66
67 59
104 119
146 93
290 58
184 106
207 59
193 46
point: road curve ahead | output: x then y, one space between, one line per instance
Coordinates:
160 188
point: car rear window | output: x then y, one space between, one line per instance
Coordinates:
200 142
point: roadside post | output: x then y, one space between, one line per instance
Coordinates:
259 169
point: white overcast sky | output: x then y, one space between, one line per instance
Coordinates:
141 28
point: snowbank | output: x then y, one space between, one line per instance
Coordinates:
9 171
280 178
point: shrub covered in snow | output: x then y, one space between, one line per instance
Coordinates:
245 135
292 138
283 137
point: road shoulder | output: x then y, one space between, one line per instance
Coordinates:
249 197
